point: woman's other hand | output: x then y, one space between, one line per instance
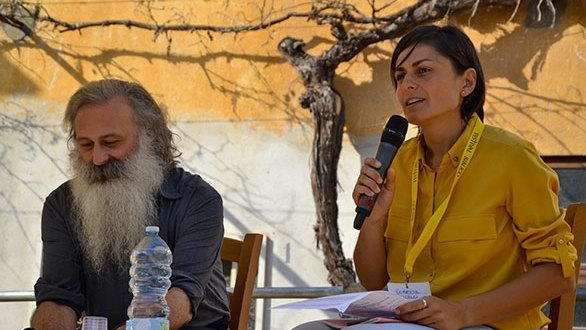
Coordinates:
370 182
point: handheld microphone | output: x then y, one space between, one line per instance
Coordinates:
390 141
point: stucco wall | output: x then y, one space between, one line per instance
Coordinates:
233 100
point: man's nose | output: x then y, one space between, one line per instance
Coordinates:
99 155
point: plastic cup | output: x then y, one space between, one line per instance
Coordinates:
94 323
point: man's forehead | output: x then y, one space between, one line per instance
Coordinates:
114 116
115 104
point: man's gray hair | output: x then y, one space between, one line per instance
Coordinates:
150 118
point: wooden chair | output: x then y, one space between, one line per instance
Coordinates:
561 309
246 254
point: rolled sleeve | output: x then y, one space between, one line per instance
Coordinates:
197 245
553 245
539 222
45 291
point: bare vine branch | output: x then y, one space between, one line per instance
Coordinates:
326 12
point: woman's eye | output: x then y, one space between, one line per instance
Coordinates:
423 70
399 76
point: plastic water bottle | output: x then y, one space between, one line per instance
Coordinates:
149 281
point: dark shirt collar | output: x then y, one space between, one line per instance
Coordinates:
170 186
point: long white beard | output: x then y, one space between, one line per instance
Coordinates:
114 203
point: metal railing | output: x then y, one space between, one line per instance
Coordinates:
265 293
259 293
17 296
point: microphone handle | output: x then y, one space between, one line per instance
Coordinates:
385 154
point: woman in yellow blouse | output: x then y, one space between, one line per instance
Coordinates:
467 208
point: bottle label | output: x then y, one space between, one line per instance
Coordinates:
155 323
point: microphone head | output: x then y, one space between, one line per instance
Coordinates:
395 130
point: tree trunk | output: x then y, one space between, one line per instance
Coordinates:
328 115
327 108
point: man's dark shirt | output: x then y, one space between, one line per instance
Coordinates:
190 221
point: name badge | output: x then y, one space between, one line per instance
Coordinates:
410 291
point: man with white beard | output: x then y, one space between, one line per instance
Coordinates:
126 177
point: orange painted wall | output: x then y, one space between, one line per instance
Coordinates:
534 75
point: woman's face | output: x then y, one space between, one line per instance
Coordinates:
428 87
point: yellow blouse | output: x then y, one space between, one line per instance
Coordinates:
503 217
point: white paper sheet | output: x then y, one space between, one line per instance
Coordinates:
364 304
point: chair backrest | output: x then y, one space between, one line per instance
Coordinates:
246 254
561 309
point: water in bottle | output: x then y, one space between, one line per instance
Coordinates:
149 281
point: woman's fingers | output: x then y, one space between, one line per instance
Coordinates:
433 312
370 170
372 162
370 182
413 306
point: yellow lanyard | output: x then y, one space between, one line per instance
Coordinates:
413 250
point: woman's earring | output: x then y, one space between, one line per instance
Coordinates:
463 93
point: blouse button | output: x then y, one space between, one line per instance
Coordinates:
561 241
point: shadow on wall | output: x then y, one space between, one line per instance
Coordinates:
527 45
518 56
239 188
368 104
105 61
19 83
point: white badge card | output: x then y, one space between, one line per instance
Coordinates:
410 291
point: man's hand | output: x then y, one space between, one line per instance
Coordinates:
52 316
180 307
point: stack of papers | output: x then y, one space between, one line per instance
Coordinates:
360 305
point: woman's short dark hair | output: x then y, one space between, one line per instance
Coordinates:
454 44
150 118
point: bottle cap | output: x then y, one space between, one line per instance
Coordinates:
152 229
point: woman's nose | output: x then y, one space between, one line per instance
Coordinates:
408 82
